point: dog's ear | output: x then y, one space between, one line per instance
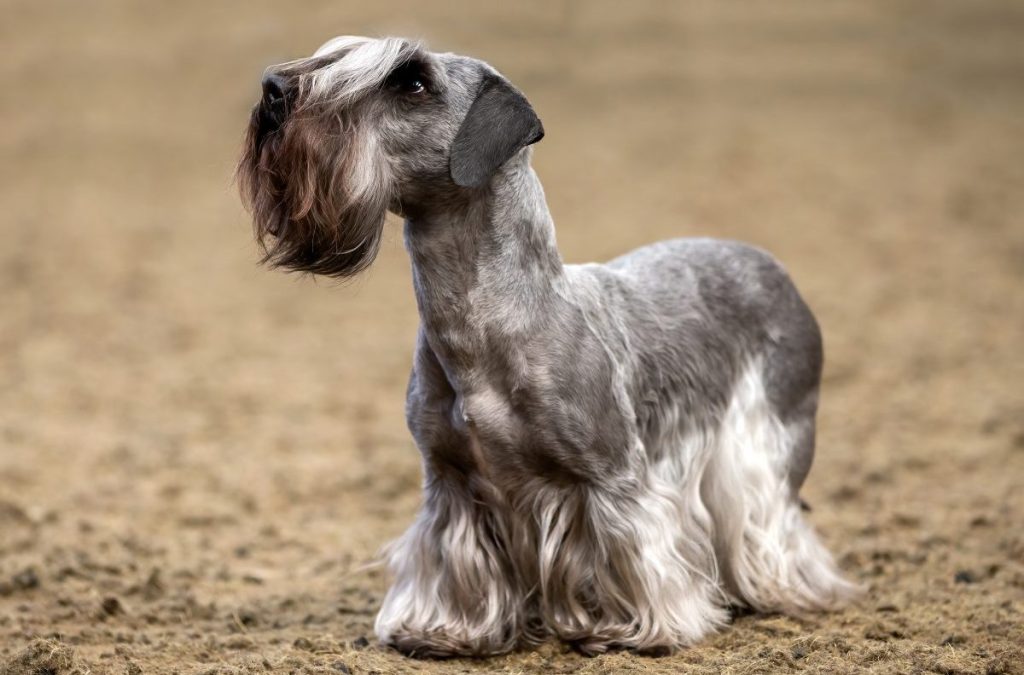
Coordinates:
499 123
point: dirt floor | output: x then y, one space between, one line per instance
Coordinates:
199 457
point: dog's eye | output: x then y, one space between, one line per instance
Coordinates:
408 79
413 85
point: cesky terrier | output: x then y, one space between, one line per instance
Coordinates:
612 453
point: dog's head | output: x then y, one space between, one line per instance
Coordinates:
367 125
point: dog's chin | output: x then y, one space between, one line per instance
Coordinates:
296 249
317 235
301 214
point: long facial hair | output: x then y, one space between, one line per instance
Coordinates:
316 182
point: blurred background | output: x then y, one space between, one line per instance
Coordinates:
199 456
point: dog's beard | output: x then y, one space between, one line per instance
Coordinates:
317 190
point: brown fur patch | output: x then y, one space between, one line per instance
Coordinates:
297 180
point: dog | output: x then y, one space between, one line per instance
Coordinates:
612 453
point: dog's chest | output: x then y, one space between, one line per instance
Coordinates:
488 415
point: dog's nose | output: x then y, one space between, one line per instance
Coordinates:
273 88
273 108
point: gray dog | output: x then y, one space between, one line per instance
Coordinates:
611 453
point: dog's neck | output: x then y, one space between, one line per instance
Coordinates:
485 269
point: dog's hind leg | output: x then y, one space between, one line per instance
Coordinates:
770 557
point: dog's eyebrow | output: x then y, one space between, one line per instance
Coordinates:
414 64
362 66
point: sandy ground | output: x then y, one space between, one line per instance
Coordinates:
199 456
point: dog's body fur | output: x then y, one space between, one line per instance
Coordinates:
612 453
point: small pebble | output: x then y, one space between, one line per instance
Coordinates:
965 577
25 580
111 606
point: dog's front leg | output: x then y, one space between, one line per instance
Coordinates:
455 590
626 569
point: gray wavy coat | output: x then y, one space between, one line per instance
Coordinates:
612 453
